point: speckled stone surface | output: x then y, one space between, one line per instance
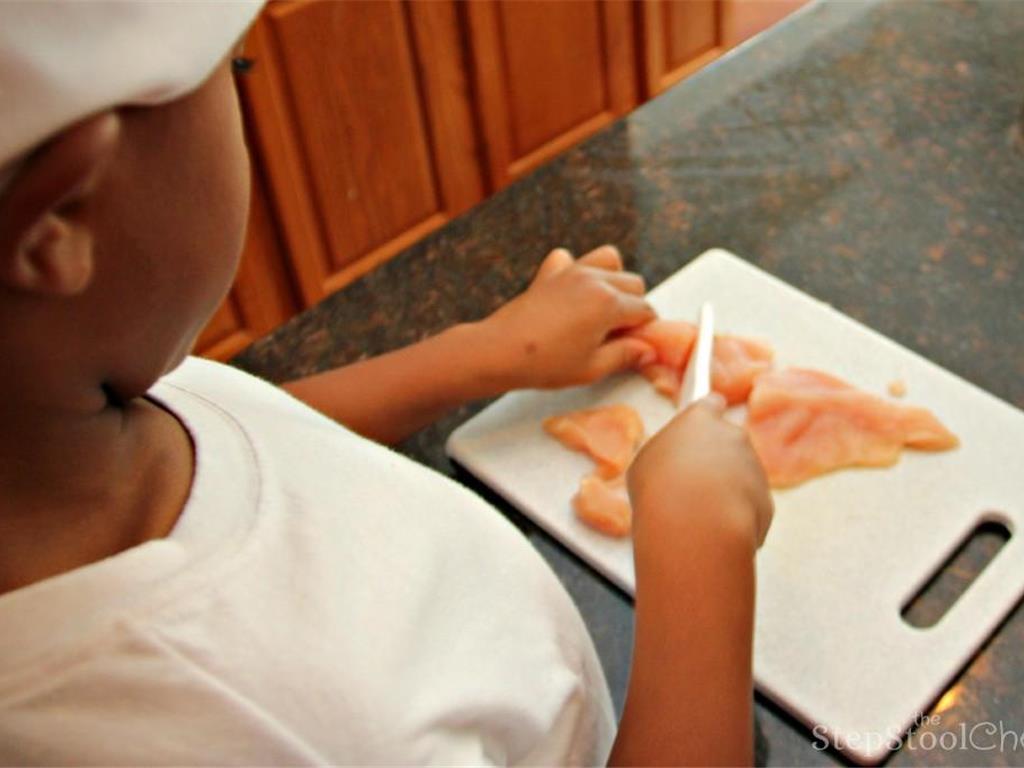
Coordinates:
870 154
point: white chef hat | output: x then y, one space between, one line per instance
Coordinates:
63 60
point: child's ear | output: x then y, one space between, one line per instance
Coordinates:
45 248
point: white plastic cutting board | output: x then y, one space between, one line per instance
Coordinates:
847 550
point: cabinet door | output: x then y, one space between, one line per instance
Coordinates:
362 115
679 37
742 19
548 73
261 297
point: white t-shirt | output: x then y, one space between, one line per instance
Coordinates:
322 599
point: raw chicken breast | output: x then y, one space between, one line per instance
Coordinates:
735 364
804 423
604 506
609 434
666 381
673 341
736 361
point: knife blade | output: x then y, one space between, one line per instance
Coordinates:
697 379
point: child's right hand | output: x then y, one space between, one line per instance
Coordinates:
701 508
698 471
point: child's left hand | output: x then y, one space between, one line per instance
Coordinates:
565 328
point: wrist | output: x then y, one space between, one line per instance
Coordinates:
487 369
501 363
694 515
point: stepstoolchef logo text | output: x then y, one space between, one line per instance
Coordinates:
986 736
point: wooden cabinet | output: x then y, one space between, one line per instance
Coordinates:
373 122
364 124
679 37
742 19
548 73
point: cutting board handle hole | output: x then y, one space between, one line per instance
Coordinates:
954 577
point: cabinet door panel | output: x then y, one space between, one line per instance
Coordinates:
548 73
680 36
742 19
543 68
358 114
360 126
691 28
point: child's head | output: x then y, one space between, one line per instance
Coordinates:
124 188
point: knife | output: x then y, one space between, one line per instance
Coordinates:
697 379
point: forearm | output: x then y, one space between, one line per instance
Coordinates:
689 700
561 331
389 397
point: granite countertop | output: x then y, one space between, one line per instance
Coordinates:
870 154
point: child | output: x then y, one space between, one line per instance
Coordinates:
197 568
